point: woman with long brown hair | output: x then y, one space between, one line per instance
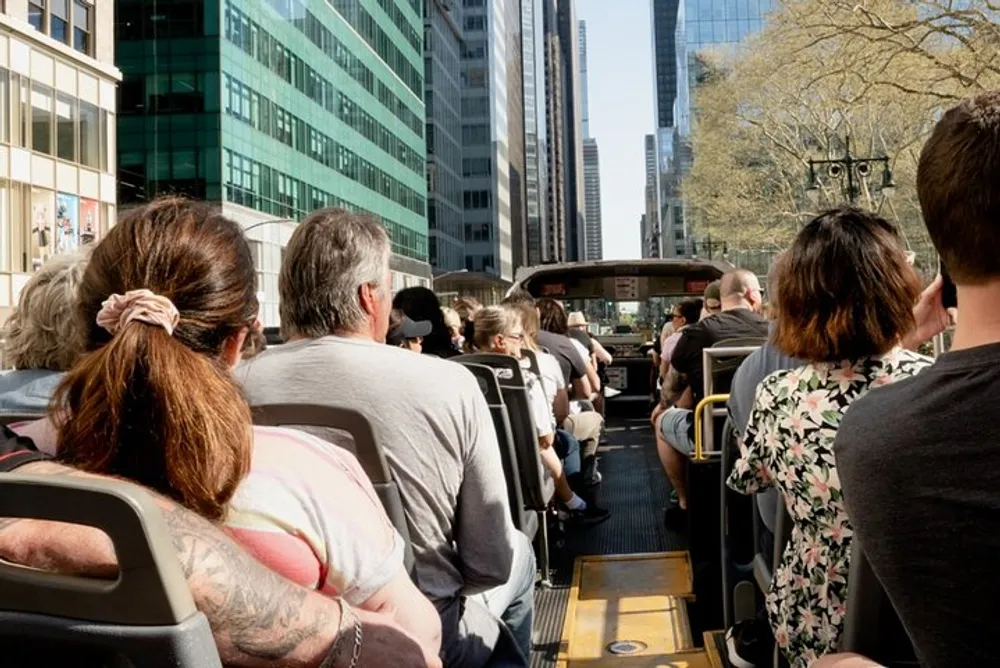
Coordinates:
167 305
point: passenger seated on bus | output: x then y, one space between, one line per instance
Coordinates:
405 333
165 307
455 327
684 386
845 299
557 374
686 312
555 325
421 305
466 308
40 339
712 300
920 461
257 617
428 415
499 330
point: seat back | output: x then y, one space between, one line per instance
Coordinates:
536 487
872 628
145 617
367 450
487 380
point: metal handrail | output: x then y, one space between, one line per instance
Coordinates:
699 436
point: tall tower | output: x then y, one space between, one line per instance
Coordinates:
443 93
593 235
485 139
576 224
535 130
556 160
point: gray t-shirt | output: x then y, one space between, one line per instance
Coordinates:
919 463
434 426
755 368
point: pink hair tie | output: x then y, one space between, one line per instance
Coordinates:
142 305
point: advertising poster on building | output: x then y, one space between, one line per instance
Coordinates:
67 223
42 224
90 228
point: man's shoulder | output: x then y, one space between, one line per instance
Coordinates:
888 416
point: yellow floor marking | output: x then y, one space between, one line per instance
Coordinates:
630 598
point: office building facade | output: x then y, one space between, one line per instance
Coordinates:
535 130
57 133
443 134
275 108
485 138
556 188
576 219
594 237
594 249
651 241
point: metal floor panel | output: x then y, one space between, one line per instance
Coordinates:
636 490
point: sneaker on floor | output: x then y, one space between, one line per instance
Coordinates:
611 393
749 644
594 479
589 516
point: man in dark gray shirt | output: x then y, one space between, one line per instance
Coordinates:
919 461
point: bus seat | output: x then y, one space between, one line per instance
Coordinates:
146 617
7 419
532 361
367 450
872 628
537 487
526 522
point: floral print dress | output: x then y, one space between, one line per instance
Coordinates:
789 445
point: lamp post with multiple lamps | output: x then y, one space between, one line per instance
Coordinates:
852 172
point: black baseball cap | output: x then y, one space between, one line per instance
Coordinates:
408 329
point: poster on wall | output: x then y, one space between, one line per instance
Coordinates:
90 228
42 223
67 223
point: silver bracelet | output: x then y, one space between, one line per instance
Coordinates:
331 656
358 637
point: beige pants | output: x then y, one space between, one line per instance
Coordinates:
586 428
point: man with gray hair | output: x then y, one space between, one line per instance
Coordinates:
431 420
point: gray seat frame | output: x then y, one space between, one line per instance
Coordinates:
146 615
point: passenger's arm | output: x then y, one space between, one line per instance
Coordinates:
401 600
257 617
930 315
601 353
484 531
560 407
582 388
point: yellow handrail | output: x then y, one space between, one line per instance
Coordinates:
699 428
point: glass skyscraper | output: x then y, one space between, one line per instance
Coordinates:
275 108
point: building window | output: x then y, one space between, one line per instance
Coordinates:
65 127
59 21
82 29
36 14
41 118
90 135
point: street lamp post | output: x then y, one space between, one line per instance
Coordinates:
266 222
852 169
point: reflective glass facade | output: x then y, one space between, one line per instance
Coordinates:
278 106
443 97
723 21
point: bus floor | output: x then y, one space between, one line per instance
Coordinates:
636 490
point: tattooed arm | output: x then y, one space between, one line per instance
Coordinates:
258 618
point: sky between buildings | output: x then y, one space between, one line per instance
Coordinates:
621 113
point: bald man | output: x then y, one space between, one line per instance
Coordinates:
673 419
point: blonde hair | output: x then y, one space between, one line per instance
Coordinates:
43 332
529 321
451 318
467 307
491 322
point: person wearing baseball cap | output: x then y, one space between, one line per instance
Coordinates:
713 299
406 333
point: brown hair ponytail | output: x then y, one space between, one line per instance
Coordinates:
157 407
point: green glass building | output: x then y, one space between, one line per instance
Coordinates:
275 108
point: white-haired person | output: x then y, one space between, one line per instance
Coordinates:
41 340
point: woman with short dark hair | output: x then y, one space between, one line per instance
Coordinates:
845 297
